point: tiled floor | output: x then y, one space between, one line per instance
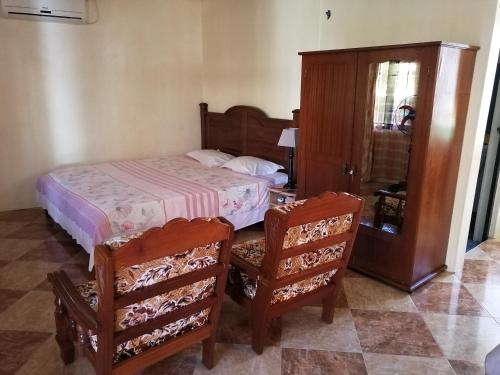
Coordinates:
446 327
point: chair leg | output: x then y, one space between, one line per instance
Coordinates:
259 331
208 354
104 363
329 307
63 333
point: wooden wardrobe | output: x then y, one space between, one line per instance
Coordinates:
387 123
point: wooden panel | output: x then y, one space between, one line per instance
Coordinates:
244 130
451 99
395 46
327 105
224 133
160 242
262 137
382 255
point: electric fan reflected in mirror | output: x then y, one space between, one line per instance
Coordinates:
404 114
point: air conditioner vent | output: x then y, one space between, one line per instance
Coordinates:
69 10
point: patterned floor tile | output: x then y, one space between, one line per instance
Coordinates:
304 329
8 297
481 272
52 250
35 231
234 326
78 273
466 368
32 312
43 219
242 360
80 258
467 338
63 236
182 363
44 285
6 228
491 248
447 298
16 347
394 335
251 233
352 273
341 301
11 249
477 254
22 275
302 361
487 295
384 364
388 332
446 277
24 215
368 294
46 360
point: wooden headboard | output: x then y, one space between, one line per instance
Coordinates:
244 130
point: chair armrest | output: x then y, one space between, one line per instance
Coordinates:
252 271
390 194
72 300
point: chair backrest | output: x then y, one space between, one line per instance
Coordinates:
168 279
308 243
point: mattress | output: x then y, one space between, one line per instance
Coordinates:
96 202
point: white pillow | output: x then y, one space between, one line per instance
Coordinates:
210 158
252 166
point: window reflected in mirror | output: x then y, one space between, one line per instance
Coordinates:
389 120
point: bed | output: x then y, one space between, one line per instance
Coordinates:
96 202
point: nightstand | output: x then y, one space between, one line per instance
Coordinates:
279 195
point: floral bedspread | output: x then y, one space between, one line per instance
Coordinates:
132 195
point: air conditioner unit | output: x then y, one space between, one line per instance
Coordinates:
55 10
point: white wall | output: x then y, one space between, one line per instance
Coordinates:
127 86
257 73
250 52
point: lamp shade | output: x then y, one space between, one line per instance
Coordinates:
289 137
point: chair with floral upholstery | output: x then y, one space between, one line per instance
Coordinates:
389 209
155 294
301 260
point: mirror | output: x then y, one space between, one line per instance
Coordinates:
389 120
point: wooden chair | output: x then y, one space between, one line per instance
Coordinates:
301 260
389 209
153 296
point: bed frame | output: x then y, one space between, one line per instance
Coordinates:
244 130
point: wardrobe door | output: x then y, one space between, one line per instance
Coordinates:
391 123
326 122
392 118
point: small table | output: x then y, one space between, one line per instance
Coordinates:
280 195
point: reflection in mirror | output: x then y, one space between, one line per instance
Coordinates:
391 111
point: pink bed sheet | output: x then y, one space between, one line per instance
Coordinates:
96 202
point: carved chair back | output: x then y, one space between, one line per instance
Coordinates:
308 245
165 284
